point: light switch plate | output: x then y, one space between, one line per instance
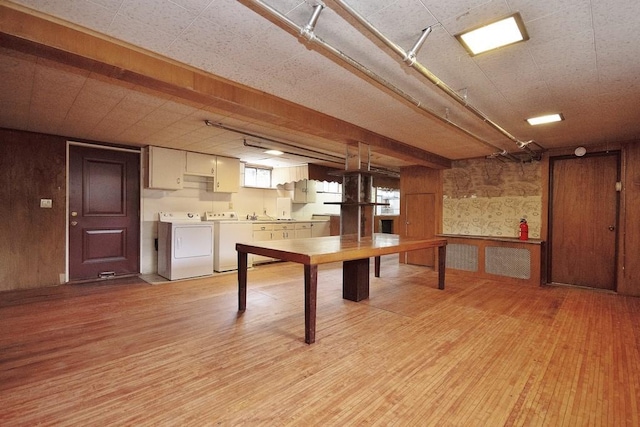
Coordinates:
46 203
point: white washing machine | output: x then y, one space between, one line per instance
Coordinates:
229 230
185 245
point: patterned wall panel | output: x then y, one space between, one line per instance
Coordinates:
487 197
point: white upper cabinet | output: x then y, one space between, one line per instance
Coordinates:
227 179
304 191
165 168
201 164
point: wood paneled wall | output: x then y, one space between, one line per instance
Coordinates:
32 247
629 249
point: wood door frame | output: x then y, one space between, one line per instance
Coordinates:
549 199
67 207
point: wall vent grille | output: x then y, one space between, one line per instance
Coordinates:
462 257
510 262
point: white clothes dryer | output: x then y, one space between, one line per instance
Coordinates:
185 245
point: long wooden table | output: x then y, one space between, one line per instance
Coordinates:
353 253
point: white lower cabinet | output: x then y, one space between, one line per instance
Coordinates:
303 230
283 231
320 229
286 230
261 232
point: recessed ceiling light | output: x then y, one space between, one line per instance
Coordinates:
274 152
500 33
549 118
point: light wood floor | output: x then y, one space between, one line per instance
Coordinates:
479 353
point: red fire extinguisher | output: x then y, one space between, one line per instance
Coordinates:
524 229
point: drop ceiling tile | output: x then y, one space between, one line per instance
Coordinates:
562 23
147 36
615 48
577 52
213 36
367 7
452 9
261 54
609 14
478 15
615 79
196 6
84 13
164 14
232 17
535 9
403 21
126 116
573 87
141 102
14 115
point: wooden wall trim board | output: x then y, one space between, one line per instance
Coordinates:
98 54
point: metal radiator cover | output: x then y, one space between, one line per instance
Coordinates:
462 257
510 262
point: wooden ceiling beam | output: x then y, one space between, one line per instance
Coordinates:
28 33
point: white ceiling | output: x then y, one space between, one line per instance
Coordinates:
582 60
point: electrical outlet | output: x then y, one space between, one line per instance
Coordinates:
230 205
46 203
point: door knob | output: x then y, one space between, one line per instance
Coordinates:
612 227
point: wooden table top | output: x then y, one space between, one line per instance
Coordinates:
320 250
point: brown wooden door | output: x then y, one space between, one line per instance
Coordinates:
583 223
104 194
419 214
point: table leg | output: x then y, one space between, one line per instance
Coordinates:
376 266
355 279
242 281
310 297
442 257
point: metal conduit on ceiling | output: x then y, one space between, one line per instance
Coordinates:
410 59
307 33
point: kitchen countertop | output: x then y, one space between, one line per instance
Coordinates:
271 221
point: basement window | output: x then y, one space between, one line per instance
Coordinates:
257 176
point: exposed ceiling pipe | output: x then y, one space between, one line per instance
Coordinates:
410 57
430 76
260 146
307 34
307 30
297 150
302 151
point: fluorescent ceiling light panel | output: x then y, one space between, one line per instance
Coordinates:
549 118
274 152
504 32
